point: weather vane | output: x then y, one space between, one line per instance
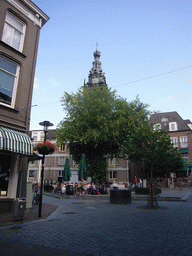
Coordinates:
97 45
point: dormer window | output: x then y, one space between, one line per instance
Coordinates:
173 126
157 127
164 119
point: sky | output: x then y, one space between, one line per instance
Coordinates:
145 50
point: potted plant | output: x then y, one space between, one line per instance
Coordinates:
45 148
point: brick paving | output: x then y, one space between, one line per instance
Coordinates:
96 227
30 215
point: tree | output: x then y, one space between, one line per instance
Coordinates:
96 124
154 149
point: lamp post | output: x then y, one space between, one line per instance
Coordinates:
45 124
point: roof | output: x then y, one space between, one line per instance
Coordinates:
169 117
51 135
188 121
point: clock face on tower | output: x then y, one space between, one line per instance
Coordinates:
95 80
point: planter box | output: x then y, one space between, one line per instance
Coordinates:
146 191
118 196
141 191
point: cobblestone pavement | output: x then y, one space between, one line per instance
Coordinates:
101 228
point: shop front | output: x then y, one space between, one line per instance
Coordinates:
15 148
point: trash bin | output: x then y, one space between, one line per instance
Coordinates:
118 196
69 190
19 207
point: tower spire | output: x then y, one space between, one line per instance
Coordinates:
96 75
97 46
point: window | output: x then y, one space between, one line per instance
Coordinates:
75 164
60 174
113 174
157 127
185 155
174 141
113 162
173 126
42 136
14 32
62 147
31 173
9 72
164 119
61 160
183 142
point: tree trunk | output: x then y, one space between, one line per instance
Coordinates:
151 189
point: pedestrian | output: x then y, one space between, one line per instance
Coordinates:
35 192
135 180
141 182
138 184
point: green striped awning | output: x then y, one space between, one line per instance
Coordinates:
18 142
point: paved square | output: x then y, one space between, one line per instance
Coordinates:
100 228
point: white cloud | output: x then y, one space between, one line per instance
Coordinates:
36 83
53 82
169 97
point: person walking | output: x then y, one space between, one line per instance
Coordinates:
36 193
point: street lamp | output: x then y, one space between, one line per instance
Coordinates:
45 124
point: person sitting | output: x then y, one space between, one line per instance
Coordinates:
54 187
63 188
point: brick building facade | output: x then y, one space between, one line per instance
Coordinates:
118 170
20 25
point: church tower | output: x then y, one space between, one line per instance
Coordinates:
96 75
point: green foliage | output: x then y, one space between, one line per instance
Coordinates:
97 123
97 170
154 149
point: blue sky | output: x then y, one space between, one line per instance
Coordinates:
145 50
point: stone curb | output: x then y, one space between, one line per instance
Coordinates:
107 197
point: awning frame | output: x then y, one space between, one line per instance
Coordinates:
14 141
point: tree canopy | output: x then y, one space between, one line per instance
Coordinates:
154 149
97 123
